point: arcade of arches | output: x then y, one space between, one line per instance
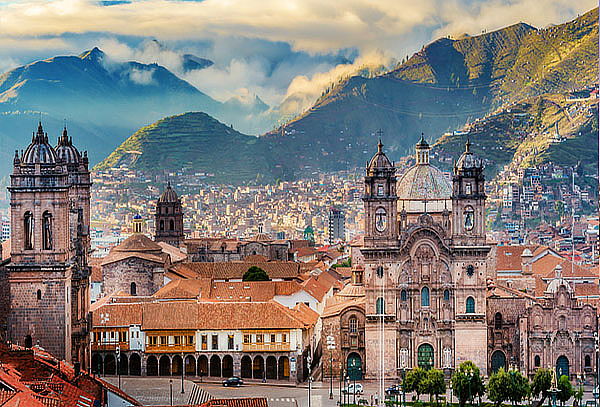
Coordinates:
269 367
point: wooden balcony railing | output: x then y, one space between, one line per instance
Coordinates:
110 346
266 347
170 348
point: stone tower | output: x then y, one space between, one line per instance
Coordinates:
169 218
46 279
381 224
470 265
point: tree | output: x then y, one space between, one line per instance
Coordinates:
542 381
519 387
414 381
467 383
255 273
434 384
507 386
497 387
565 389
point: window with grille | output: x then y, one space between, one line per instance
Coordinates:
353 324
470 305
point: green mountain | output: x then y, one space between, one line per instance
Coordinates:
447 84
543 129
444 86
194 141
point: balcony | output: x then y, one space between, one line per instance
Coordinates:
266 347
170 348
110 346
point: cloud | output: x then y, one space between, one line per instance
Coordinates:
141 76
303 91
310 25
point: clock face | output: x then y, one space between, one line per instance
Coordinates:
470 270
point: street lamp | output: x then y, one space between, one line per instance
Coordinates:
553 388
330 347
597 375
119 364
182 371
308 359
171 390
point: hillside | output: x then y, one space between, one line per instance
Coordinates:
544 129
194 141
103 101
440 88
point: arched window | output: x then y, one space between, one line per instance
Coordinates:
425 297
39 294
133 289
536 361
469 218
380 219
167 210
498 320
28 230
379 306
171 224
446 295
162 225
379 271
470 305
403 295
587 361
353 324
562 323
47 231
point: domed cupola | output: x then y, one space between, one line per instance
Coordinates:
379 161
66 151
468 162
169 195
39 151
423 188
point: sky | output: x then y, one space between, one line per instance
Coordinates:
284 51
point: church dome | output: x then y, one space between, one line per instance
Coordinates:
169 195
39 151
467 159
423 181
558 281
379 160
66 151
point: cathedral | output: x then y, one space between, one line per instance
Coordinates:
45 282
425 265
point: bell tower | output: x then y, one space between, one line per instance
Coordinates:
169 218
468 200
380 200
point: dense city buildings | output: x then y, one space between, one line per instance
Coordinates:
336 226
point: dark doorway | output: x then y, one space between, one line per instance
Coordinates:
258 367
246 367
227 366
202 365
164 366
152 366
135 365
96 364
215 366
190 366
110 365
271 367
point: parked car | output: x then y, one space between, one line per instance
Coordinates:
353 389
394 389
233 381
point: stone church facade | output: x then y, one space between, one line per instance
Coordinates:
45 283
426 265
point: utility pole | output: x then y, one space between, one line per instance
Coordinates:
182 371
119 364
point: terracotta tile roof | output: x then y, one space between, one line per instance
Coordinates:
137 243
251 290
335 306
118 256
191 315
184 288
306 251
117 315
255 258
236 270
545 266
306 314
174 252
170 315
508 258
319 285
